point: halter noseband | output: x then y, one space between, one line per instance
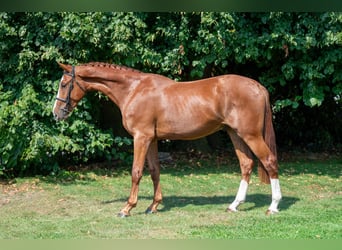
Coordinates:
67 101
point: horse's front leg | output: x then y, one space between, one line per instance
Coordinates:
141 145
246 164
154 167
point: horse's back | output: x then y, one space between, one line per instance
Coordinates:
188 110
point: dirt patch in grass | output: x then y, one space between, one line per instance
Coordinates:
19 191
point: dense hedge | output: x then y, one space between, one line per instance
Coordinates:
297 56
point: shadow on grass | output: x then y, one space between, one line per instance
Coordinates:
173 201
201 164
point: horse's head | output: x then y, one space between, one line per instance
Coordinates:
70 92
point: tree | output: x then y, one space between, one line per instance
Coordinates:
297 56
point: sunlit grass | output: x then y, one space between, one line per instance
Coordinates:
84 204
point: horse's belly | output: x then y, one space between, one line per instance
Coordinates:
186 129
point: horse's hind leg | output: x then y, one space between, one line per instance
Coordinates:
154 167
269 161
245 157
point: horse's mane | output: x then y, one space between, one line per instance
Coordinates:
109 65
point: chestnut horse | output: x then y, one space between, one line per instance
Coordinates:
154 107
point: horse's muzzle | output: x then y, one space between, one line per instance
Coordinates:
62 114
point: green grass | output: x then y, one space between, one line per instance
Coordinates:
84 204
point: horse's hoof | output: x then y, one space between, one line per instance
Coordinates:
230 210
150 211
123 215
270 212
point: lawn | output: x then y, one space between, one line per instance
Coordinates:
83 204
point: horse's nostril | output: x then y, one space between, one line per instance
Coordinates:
55 116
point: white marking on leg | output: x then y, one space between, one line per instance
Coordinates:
240 196
276 196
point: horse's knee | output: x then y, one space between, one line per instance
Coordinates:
154 172
136 176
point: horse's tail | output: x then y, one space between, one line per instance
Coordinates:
269 137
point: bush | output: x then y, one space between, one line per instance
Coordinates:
31 142
297 56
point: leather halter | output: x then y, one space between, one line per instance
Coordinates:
67 100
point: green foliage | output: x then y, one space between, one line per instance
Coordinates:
297 56
30 141
19 123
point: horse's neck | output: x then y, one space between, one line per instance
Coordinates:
117 88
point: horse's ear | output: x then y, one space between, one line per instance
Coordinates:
65 66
